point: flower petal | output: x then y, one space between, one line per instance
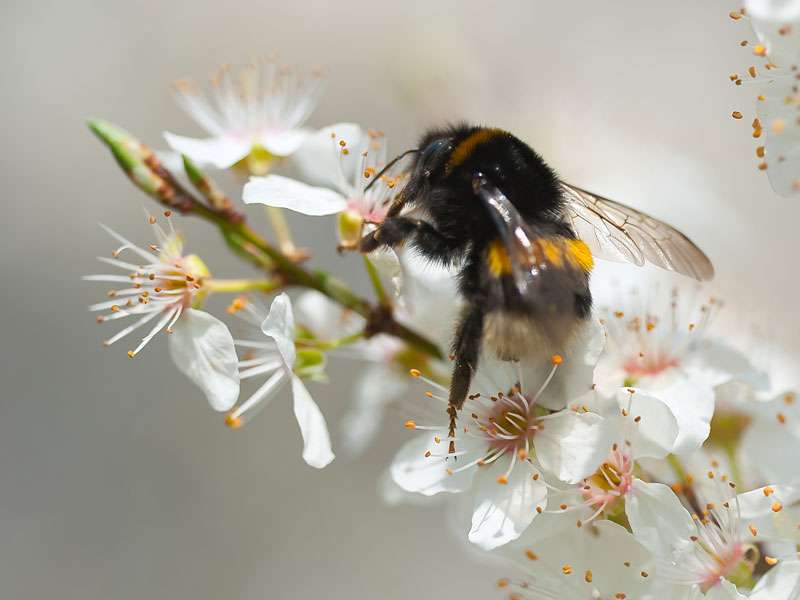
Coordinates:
284 143
279 325
657 518
656 429
691 400
202 348
716 363
608 551
575 375
221 152
320 160
724 590
282 192
572 445
779 11
316 441
779 583
413 471
502 512
773 449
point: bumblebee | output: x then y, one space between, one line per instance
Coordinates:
524 242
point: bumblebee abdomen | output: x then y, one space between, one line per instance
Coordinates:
558 252
514 336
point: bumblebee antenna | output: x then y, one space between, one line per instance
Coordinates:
389 166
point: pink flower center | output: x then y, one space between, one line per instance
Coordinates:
373 212
508 424
724 562
611 481
649 365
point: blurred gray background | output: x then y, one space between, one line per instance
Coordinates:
116 479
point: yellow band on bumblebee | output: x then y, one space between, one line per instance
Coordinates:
497 259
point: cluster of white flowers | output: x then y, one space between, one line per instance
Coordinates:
776 125
651 460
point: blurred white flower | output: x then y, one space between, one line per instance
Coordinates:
507 444
603 562
712 544
163 289
776 128
255 112
660 347
276 359
345 194
772 439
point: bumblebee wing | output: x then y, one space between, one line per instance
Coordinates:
617 232
537 261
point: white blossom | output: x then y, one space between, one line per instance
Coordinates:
772 73
256 112
162 290
660 346
272 356
506 447
601 562
345 192
713 544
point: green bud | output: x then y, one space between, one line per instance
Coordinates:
134 157
205 185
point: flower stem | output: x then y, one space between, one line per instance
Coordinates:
331 344
377 284
238 286
282 230
144 169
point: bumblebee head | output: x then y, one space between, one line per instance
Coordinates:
445 163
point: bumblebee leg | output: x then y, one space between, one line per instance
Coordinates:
391 233
430 243
466 350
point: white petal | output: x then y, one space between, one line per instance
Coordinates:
428 475
503 511
657 518
202 348
284 143
756 504
220 152
572 445
657 429
608 550
320 161
393 495
773 446
781 11
282 192
779 583
389 269
691 400
316 441
575 376
724 590
279 325
716 362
